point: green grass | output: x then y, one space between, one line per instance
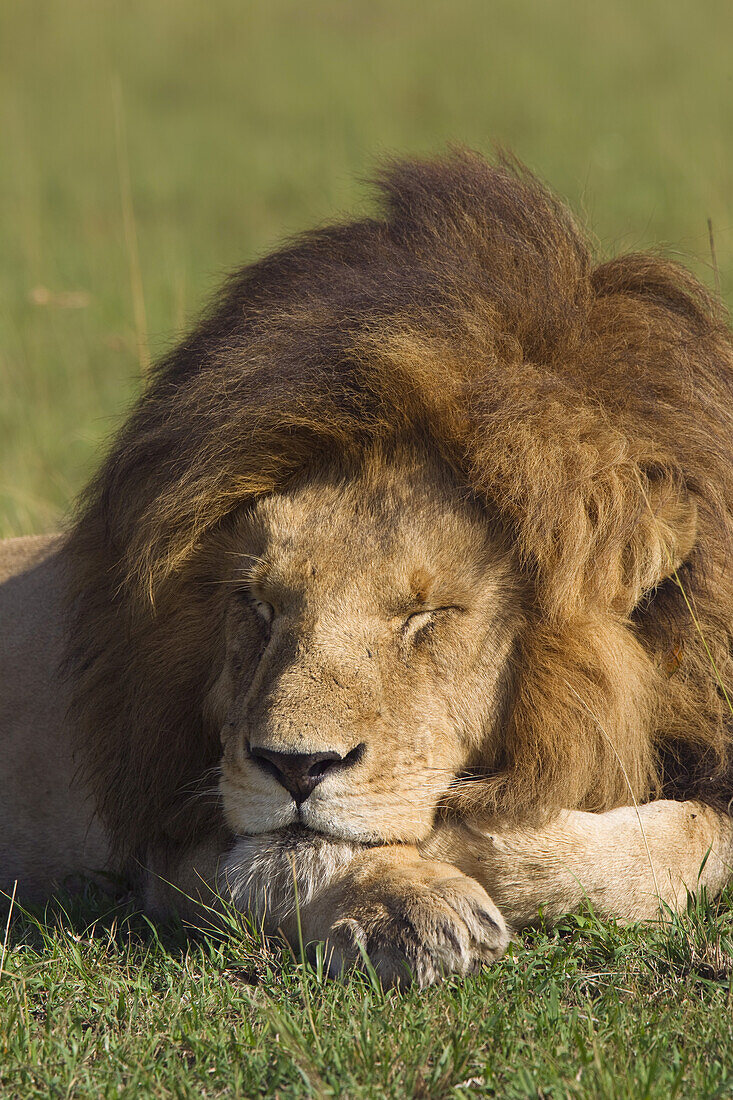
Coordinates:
237 123
114 1008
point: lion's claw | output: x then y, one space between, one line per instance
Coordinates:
420 932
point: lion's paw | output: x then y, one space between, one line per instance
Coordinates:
418 931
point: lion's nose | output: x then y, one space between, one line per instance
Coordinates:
299 772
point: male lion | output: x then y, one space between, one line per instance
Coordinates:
407 581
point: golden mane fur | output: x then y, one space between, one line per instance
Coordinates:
592 406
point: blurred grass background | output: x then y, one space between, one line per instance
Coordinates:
147 148
225 126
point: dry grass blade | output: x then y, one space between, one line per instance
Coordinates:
128 219
7 930
714 258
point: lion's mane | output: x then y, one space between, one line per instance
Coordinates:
575 398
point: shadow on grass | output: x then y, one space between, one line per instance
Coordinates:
90 911
696 944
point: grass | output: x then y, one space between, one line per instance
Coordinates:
151 146
116 1008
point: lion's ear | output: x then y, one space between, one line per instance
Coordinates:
664 540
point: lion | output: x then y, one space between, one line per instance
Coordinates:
399 611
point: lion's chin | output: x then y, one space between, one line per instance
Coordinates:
300 834
298 826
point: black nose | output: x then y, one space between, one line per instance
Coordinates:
299 772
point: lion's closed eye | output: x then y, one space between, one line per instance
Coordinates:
419 621
265 610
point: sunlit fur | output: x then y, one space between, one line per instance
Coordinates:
396 608
585 411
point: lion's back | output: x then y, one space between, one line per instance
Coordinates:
47 828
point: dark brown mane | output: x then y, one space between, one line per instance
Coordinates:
584 402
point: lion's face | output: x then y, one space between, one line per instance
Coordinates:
368 637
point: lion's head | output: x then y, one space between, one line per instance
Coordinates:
429 515
369 631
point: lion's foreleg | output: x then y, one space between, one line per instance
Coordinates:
625 863
413 917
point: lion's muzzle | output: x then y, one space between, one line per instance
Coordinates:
301 772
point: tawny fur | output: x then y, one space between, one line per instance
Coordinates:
590 407
483 487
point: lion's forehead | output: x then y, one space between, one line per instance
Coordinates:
401 540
